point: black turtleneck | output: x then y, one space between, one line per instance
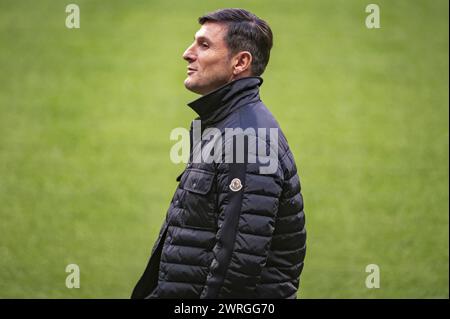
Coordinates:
219 103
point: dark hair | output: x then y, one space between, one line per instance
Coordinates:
246 32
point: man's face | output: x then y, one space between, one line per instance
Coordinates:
209 65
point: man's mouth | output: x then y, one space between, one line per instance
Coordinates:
190 71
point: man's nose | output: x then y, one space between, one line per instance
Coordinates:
189 55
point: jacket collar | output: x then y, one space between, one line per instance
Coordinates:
219 103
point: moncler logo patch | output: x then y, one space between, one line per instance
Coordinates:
236 185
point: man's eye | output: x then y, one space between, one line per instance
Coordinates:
205 45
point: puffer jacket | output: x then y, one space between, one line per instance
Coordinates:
231 231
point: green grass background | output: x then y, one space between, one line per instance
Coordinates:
85 118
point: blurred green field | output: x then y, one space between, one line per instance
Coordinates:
85 118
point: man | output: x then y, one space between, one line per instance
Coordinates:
233 229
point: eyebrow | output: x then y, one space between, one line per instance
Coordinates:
202 37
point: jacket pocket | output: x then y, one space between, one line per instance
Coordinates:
199 181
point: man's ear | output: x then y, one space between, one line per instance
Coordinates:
242 62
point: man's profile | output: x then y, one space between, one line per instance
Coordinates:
231 230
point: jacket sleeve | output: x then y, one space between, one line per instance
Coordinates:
247 208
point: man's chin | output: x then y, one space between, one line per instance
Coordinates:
190 85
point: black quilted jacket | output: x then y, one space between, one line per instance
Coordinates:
231 231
